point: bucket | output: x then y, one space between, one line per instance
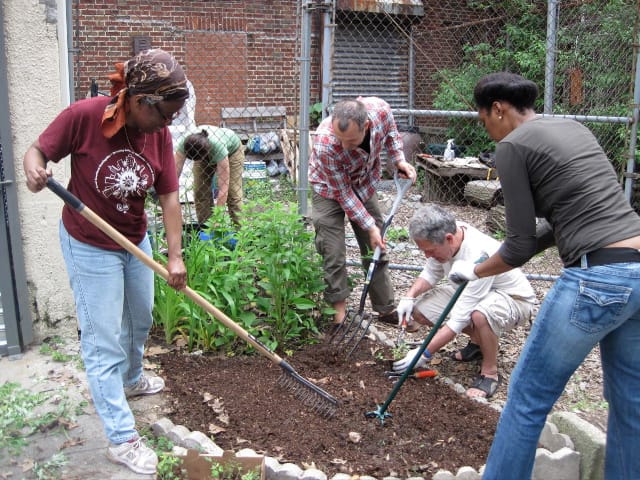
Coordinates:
255 170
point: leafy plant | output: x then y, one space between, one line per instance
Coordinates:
522 49
399 351
265 276
315 114
232 471
169 467
397 234
50 470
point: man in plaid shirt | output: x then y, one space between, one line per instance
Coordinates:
344 168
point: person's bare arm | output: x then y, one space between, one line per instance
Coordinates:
172 219
223 173
179 158
35 168
443 336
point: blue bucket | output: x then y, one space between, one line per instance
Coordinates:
228 239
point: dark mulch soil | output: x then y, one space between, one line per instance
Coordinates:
239 402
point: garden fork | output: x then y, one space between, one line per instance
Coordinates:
354 326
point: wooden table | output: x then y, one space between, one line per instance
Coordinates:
445 181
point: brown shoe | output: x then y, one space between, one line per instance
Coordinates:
412 327
390 318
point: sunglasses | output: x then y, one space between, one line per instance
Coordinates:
165 117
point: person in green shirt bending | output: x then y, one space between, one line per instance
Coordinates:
214 151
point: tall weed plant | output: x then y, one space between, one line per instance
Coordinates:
265 276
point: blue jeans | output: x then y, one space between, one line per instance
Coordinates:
586 307
113 292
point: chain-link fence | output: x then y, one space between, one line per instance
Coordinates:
426 61
244 62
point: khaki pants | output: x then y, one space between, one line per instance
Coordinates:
328 221
202 183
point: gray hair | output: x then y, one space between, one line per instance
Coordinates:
432 223
346 110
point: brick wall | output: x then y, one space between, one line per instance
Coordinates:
245 52
235 52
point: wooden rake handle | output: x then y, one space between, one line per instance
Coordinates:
75 203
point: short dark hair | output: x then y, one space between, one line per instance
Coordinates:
197 146
507 86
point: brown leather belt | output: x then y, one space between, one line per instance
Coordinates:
605 256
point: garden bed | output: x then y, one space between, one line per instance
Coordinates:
239 402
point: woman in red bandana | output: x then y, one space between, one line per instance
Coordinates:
120 148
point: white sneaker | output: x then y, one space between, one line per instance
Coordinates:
145 386
134 455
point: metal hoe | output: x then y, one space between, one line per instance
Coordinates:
311 395
381 412
353 328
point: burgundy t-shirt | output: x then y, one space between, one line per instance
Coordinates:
108 175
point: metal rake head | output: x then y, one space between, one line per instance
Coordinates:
309 394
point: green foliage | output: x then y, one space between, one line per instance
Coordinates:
399 351
169 467
23 413
267 191
266 276
521 49
315 114
397 234
232 471
51 469
499 235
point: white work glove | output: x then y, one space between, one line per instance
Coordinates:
462 271
401 365
405 308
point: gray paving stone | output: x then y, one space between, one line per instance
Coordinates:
561 465
341 476
271 467
588 439
199 441
552 440
177 434
288 471
444 475
162 426
467 473
313 474
247 452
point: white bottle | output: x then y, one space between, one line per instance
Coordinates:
449 153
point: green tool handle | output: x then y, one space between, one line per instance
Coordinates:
407 373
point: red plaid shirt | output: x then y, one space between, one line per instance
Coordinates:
350 176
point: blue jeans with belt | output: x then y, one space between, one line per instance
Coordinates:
113 292
585 307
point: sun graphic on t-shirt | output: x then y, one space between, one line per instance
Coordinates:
124 175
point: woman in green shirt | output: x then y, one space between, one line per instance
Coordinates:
214 151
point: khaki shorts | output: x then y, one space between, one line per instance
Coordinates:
503 312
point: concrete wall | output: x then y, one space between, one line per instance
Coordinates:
37 92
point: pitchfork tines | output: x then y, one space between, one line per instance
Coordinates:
354 327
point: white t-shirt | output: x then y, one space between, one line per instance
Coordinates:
476 245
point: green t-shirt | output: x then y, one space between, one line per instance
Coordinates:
223 142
